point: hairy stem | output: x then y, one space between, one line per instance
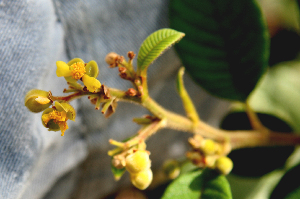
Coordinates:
170 120
237 139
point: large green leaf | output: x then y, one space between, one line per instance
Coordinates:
226 45
198 184
278 94
289 185
155 44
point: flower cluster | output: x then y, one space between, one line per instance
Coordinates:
76 69
54 118
138 165
208 153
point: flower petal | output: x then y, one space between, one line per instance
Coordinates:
62 69
74 61
92 69
91 83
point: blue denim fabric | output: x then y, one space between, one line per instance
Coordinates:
34 34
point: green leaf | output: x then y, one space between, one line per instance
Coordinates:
155 44
199 184
118 173
289 185
226 45
278 94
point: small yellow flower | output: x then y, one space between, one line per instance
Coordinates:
55 118
59 118
76 69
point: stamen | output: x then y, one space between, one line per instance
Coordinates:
77 70
56 116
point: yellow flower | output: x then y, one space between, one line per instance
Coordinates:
55 118
59 118
76 69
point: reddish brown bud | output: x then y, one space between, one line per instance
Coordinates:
122 69
111 59
123 75
130 54
131 92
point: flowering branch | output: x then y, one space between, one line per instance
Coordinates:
210 145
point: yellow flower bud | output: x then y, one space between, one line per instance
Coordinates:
37 100
91 83
138 161
224 165
143 179
209 147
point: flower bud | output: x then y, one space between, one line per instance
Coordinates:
111 58
138 161
37 100
224 165
143 179
209 147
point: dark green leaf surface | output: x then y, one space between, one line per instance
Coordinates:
198 184
278 94
289 185
225 49
155 44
